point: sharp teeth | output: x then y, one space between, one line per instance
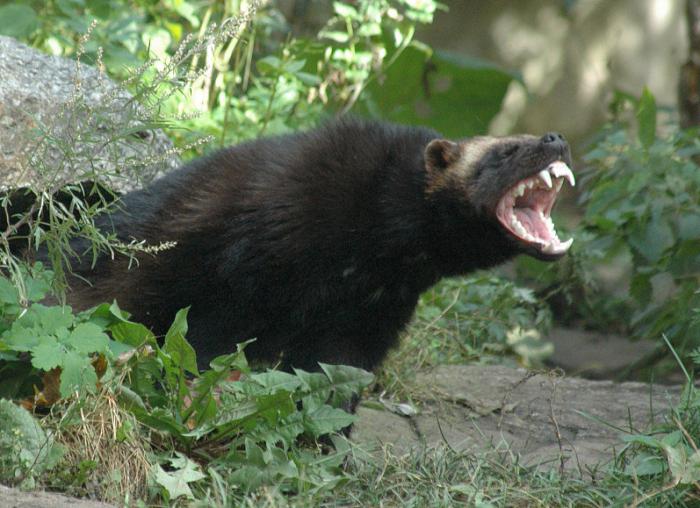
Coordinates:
550 225
560 169
560 248
529 183
519 190
565 246
559 182
544 176
517 226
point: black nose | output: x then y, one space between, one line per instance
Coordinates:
554 137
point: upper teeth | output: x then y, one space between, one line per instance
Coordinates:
552 176
560 169
544 176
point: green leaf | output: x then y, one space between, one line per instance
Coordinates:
644 464
326 419
684 469
456 95
17 20
641 289
8 292
689 226
48 355
686 261
176 482
88 338
20 338
345 10
101 8
317 388
187 11
133 334
52 318
646 118
37 287
161 420
176 345
21 431
341 37
269 65
231 361
346 381
307 78
651 240
110 316
77 374
274 380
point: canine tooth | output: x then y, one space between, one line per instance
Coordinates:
559 249
560 169
544 176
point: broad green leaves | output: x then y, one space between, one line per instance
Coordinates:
250 422
17 20
36 339
182 472
456 95
642 198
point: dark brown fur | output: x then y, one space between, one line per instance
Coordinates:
316 244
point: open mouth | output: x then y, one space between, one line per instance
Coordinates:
525 208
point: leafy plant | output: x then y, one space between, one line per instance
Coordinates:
473 318
667 456
642 201
48 343
245 425
486 313
26 450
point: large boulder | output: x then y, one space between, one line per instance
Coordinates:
60 121
548 420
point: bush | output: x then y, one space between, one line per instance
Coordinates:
642 202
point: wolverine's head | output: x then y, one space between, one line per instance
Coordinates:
511 181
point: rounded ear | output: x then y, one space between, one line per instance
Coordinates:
440 154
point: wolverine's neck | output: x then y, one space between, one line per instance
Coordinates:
462 241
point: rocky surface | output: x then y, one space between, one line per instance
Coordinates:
58 122
14 498
549 420
595 355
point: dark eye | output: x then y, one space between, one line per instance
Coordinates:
511 150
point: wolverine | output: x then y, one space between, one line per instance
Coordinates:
318 244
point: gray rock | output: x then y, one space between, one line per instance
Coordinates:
59 123
14 498
579 352
549 421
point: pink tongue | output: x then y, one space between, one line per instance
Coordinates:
532 223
